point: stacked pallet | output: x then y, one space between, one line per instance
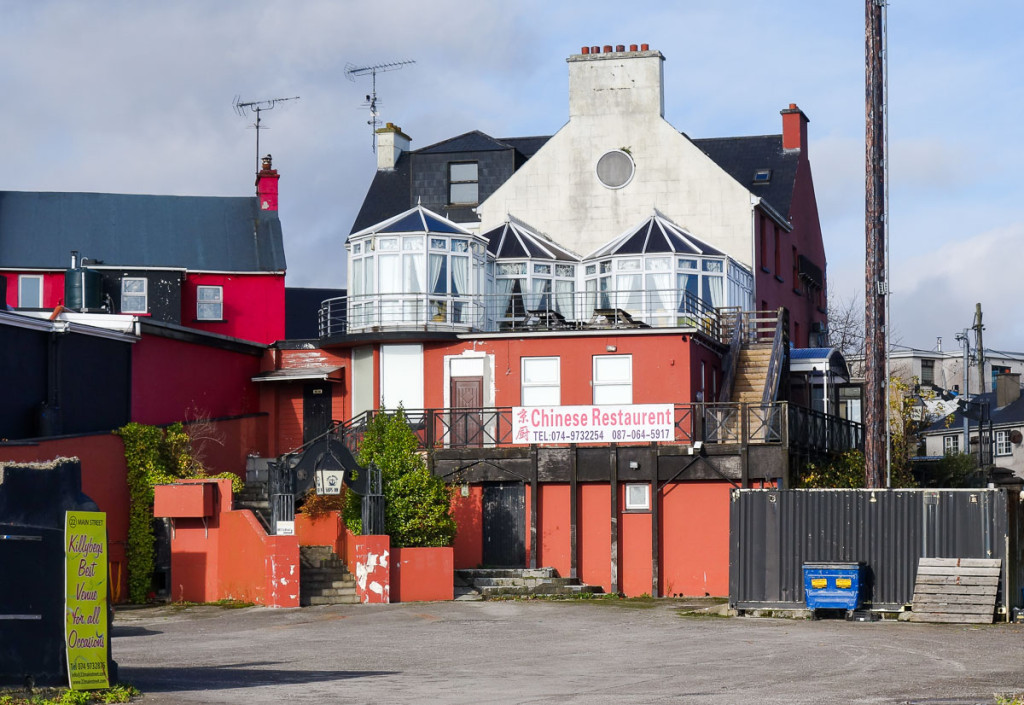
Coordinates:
955 590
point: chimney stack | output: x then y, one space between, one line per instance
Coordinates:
608 80
794 129
391 142
266 185
1007 389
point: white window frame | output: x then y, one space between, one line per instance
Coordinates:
144 294
217 302
1003 445
22 278
546 391
612 390
950 444
463 182
638 504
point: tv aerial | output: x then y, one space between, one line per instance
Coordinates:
351 71
258 106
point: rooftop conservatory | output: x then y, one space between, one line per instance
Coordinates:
418 270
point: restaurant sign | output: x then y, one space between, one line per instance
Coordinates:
612 423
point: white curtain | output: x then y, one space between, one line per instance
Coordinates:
538 299
659 294
460 276
563 299
412 281
629 292
686 284
503 290
436 270
713 291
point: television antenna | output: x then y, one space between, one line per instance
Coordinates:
351 71
258 106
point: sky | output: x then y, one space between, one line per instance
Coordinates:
131 97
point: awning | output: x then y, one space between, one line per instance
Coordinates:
319 373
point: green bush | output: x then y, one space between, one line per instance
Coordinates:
417 505
844 470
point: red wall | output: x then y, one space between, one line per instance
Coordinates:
253 305
635 550
469 539
553 527
104 480
694 539
173 380
230 556
594 535
422 574
661 366
53 287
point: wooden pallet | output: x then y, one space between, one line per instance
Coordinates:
956 590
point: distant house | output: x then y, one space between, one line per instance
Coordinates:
1003 441
214 264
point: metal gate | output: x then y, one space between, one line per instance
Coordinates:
504 524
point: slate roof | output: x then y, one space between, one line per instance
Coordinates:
656 235
514 241
1010 415
416 220
198 233
390 191
741 157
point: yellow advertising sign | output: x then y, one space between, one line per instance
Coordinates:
85 604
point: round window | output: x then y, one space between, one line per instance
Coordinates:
615 168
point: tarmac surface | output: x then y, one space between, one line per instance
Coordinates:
543 652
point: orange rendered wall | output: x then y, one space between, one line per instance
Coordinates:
594 535
553 530
661 366
469 536
104 480
327 530
694 539
422 574
635 550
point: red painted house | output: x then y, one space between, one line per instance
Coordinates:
571 327
209 263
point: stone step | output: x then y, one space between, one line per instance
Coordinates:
313 600
320 585
329 592
473 573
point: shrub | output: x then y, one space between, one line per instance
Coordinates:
417 505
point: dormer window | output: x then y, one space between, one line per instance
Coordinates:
762 176
463 184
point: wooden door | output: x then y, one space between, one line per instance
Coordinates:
467 395
504 525
316 410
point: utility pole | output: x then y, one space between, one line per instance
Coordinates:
876 285
979 347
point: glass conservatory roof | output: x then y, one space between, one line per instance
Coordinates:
414 220
514 241
656 235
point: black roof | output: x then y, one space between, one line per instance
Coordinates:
199 233
390 191
742 157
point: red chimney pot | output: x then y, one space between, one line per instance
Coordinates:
607 48
620 47
645 47
585 50
595 50
632 47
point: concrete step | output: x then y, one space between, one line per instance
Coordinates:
473 573
313 600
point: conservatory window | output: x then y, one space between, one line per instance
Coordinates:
412 278
591 269
438 274
412 243
460 245
438 243
507 269
357 248
387 244
389 274
564 298
542 269
565 270
540 290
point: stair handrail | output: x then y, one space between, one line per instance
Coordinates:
731 361
780 352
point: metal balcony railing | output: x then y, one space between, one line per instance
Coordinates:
778 423
586 310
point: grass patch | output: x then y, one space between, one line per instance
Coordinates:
120 693
228 604
1017 699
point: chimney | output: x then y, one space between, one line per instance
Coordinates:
391 142
266 185
794 129
1007 389
608 80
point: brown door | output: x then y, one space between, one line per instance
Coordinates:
467 418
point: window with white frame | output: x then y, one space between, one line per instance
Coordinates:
541 384
638 497
134 295
950 444
1003 446
210 303
613 379
30 291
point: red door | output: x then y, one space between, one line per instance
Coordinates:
467 418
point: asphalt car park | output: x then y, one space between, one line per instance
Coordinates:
599 651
